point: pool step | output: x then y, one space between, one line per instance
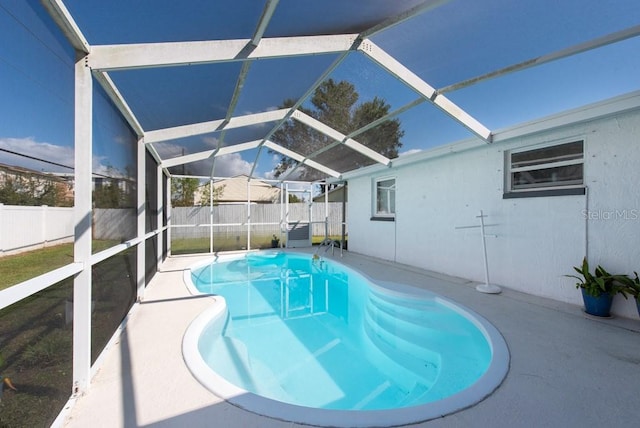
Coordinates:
405 373
442 373
417 358
418 330
425 313
398 331
427 325
407 328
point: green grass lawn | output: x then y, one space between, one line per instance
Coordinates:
201 245
21 267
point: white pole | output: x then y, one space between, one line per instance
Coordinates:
2 235
211 215
249 213
83 135
310 213
44 225
286 210
326 210
169 209
141 218
159 218
487 287
280 234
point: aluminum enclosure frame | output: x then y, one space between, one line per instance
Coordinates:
95 61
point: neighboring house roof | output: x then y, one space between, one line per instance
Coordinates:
235 190
338 194
20 171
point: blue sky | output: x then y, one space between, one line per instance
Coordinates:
452 43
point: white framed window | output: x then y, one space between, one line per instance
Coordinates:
548 170
385 198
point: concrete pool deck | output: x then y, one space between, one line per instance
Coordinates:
567 369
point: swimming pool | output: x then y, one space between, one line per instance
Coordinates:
313 341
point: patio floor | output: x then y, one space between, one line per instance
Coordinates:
567 369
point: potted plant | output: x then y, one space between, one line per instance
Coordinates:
598 288
632 286
274 241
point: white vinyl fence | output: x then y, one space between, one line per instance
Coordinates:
260 213
25 228
118 224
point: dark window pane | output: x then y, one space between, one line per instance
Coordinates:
548 177
386 196
559 153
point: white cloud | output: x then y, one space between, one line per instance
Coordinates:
226 166
168 150
270 175
63 155
295 175
211 141
120 139
231 165
269 108
100 168
275 161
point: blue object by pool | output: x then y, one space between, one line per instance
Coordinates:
314 333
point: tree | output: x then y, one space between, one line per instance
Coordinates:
114 189
205 193
108 195
293 199
29 189
335 104
183 191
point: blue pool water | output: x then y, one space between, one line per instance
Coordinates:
315 333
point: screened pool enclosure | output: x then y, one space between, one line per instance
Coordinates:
145 129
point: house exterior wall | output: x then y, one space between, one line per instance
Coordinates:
537 239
